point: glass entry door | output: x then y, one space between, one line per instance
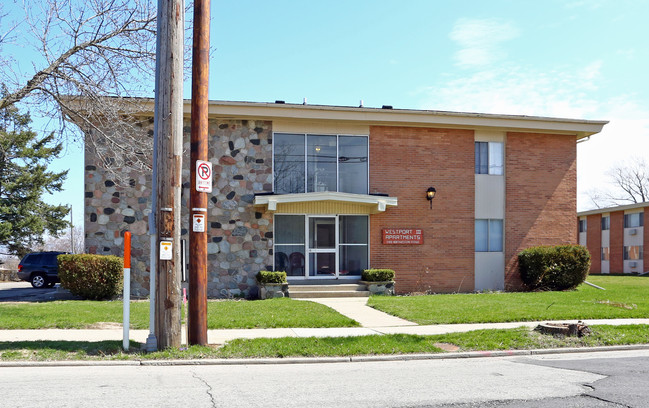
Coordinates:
322 243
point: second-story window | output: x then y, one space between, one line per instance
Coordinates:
606 223
317 163
633 220
489 158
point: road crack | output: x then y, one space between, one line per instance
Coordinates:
208 386
602 399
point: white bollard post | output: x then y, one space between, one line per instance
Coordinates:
127 289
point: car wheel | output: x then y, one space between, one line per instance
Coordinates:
38 281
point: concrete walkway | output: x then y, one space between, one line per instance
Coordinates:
373 322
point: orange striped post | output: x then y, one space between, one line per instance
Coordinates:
127 289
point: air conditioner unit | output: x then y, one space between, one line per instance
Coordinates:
633 264
633 231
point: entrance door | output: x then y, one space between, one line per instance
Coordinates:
322 243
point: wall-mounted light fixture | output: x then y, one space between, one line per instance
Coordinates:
430 194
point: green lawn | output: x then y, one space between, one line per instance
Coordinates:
479 340
624 297
76 314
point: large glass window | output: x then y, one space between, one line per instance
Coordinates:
352 164
316 163
290 245
307 246
489 235
353 244
489 158
321 163
289 163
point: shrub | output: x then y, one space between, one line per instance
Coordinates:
559 267
93 277
264 277
377 275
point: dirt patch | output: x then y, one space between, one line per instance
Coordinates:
104 326
447 346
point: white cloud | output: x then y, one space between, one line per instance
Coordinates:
480 40
514 90
566 93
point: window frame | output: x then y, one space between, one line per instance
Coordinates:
306 159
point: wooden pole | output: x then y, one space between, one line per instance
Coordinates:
197 333
169 134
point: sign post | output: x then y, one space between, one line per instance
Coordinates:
201 179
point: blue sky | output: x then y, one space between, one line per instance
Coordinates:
575 59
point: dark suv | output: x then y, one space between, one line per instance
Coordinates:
40 269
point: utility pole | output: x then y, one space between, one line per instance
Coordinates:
202 170
168 135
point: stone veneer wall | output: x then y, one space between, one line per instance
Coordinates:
239 237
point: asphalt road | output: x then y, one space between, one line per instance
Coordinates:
612 379
24 292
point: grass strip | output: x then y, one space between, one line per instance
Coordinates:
75 314
624 297
478 340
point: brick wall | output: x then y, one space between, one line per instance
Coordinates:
541 199
404 163
645 242
616 264
594 241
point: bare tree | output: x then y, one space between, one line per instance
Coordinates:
101 52
65 243
630 184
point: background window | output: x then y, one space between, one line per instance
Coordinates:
633 220
488 235
632 253
489 158
582 226
606 223
606 253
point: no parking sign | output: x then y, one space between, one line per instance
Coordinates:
203 176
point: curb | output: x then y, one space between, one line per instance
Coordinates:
322 360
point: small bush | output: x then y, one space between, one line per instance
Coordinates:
264 277
377 275
93 277
559 267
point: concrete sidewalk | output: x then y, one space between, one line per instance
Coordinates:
372 322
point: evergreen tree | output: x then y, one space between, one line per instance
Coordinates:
24 217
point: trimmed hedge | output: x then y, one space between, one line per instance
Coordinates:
377 275
94 277
560 267
264 277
